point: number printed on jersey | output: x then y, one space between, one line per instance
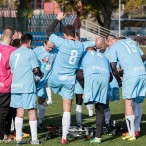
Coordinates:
17 58
73 57
130 47
98 54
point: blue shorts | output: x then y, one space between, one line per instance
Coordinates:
113 94
134 87
24 100
95 89
42 92
78 88
65 90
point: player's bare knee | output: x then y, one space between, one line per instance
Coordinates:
32 114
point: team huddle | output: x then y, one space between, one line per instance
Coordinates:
93 71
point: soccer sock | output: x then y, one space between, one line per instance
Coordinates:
90 109
78 111
49 94
65 124
138 114
130 124
18 126
107 114
41 112
33 128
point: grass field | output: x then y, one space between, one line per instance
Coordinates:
53 116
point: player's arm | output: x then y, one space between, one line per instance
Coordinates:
35 66
111 77
51 28
38 72
116 73
143 57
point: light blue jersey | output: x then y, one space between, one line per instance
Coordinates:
93 62
45 60
67 59
22 63
129 56
78 88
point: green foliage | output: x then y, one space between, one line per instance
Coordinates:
133 5
24 8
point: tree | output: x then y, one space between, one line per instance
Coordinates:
24 12
101 10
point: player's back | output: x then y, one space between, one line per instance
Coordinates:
22 62
93 62
67 59
5 71
129 57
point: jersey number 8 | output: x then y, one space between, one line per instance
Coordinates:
73 57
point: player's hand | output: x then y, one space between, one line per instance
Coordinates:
36 79
60 16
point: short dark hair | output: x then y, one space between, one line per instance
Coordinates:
46 40
110 37
69 30
16 43
122 37
90 49
26 38
8 32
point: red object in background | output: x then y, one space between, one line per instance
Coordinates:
51 8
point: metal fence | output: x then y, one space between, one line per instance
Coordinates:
37 23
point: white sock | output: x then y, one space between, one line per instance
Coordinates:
33 128
49 94
65 124
78 111
18 126
90 109
138 114
41 112
130 124
12 125
107 114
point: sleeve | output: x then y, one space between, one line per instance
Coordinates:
10 61
51 28
57 41
34 61
113 54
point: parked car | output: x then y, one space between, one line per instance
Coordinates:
139 36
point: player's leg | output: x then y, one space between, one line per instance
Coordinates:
49 94
138 114
78 109
66 119
129 116
100 119
41 111
30 103
19 123
107 113
90 109
33 125
4 104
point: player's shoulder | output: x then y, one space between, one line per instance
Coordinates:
39 48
